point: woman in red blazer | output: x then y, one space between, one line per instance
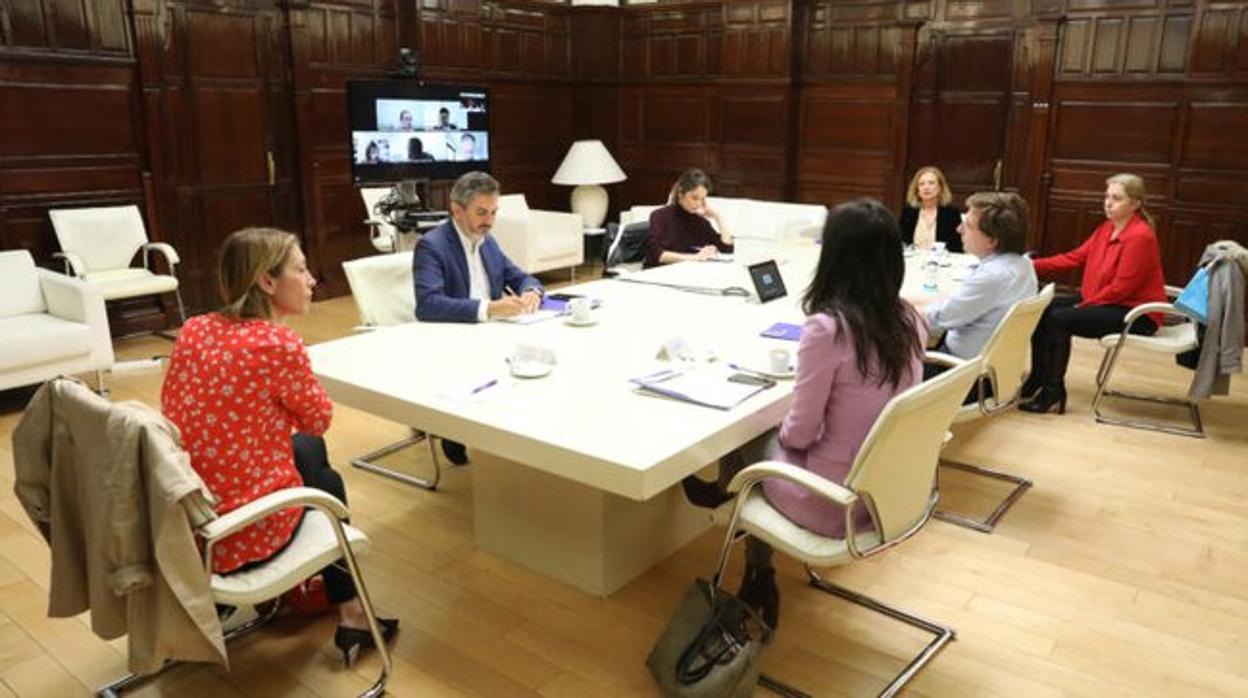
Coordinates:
240 390
1121 269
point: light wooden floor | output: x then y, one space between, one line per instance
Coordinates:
1123 572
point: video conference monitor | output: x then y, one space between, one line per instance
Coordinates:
401 129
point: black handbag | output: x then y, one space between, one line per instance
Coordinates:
710 647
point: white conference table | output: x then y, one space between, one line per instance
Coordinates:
581 485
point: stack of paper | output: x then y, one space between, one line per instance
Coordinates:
710 387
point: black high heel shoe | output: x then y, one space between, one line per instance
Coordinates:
1030 387
1048 398
350 641
759 592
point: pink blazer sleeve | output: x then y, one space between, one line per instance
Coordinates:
820 357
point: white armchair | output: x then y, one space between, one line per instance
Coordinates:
1004 362
893 477
385 295
538 240
98 244
52 324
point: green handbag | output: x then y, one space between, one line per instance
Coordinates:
710 647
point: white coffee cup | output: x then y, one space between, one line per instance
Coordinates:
779 360
941 248
579 308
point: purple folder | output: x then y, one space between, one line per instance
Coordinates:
560 304
783 330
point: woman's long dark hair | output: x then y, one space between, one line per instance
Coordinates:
861 268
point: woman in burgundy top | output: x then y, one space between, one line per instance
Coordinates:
1121 269
239 383
681 230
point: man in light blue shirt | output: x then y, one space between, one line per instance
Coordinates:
995 230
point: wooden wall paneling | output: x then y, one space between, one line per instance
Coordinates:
1083 129
965 104
846 133
753 131
594 35
1134 39
756 38
1033 181
532 125
222 81
333 41
1214 48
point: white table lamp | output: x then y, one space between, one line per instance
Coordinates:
588 166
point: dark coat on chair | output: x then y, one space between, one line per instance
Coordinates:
440 271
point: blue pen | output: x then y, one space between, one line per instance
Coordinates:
488 384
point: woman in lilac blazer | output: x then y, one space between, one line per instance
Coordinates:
861 345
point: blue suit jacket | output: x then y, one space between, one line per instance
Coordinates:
440 275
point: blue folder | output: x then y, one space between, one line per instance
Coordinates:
783 330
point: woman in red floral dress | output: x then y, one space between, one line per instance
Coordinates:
239 384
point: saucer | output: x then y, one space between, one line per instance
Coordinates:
591 320
530 369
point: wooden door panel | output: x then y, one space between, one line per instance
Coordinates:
960 114
231 142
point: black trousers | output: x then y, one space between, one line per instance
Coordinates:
930 371
1050 343
312 462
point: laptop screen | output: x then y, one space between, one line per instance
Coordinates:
767 281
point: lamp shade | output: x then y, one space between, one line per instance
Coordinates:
588 162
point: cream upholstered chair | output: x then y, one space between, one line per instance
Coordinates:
538 240
1005 361
321 539
1172 339
98 245
893 477
51 324
385 295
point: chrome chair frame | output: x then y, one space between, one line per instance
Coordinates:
368 461
1110 360
989 406
942 634
226 525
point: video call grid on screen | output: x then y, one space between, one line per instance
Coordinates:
402 129
382 147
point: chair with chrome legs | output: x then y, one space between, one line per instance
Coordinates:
384 294
893 477
162 587
98 244
1004 362
1171 339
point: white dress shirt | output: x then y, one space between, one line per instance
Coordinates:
971 313
478 281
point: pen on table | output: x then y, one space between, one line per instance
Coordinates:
488 384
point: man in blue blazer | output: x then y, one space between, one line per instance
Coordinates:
460 273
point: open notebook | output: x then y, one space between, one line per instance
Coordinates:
710 387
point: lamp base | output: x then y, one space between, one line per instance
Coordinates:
590 200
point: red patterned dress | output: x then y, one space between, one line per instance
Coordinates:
237 389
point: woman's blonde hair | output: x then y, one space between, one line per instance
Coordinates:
912 191
1133 187
245 256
